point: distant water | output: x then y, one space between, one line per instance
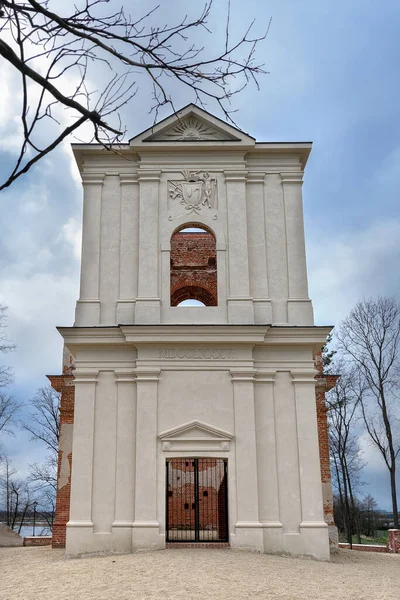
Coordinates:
27 530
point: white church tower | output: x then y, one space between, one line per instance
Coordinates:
194 343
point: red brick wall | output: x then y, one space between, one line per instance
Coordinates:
393 543
65 385
324 384
193 268
178 515
37 540
363 547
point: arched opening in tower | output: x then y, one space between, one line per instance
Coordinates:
193 266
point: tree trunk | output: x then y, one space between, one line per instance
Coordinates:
394 497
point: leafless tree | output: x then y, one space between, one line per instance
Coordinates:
16 495
8 404
368 515
43 421
59 55
8 409
342 403
43 476
369 337
6 474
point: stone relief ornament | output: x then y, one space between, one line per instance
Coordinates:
192 130
197 189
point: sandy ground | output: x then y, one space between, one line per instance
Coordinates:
8 537
44 574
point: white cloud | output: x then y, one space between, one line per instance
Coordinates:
352 265
36 305
72 233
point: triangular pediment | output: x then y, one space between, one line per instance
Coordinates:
191 124
195 430
191 129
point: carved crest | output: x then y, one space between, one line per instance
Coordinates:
197 190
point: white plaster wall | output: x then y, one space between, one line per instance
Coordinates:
202 395
257 218
264 398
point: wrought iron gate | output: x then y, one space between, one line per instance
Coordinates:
197 500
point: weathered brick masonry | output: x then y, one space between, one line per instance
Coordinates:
65 385
323 385
393 543
193 268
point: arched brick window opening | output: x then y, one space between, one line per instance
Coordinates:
191 292
193 265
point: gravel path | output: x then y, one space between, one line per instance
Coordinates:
44 574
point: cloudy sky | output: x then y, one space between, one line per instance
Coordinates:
333 79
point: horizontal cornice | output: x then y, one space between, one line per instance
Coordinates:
194 334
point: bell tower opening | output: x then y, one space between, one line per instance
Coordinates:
193 272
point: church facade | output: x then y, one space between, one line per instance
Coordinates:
194 414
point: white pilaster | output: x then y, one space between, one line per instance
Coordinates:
125 461
240 305
268 491
104 453
110 249
313 528
248 528
276 248
299 305
257 248
287 453
129 248
148 300
88 306
146 527
80 525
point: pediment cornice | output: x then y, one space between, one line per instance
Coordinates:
191 125
195 436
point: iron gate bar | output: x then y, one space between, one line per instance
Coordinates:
202 487
196 500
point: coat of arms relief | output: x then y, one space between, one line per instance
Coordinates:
196 191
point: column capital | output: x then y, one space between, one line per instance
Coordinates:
129 178
92 178
265 376
242 374
147 374
124 375
304 376
292 178
86 375
256 177
236 175
149 175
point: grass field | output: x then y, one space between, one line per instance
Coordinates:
381 538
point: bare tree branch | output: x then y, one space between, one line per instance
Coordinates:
49 50
44 420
